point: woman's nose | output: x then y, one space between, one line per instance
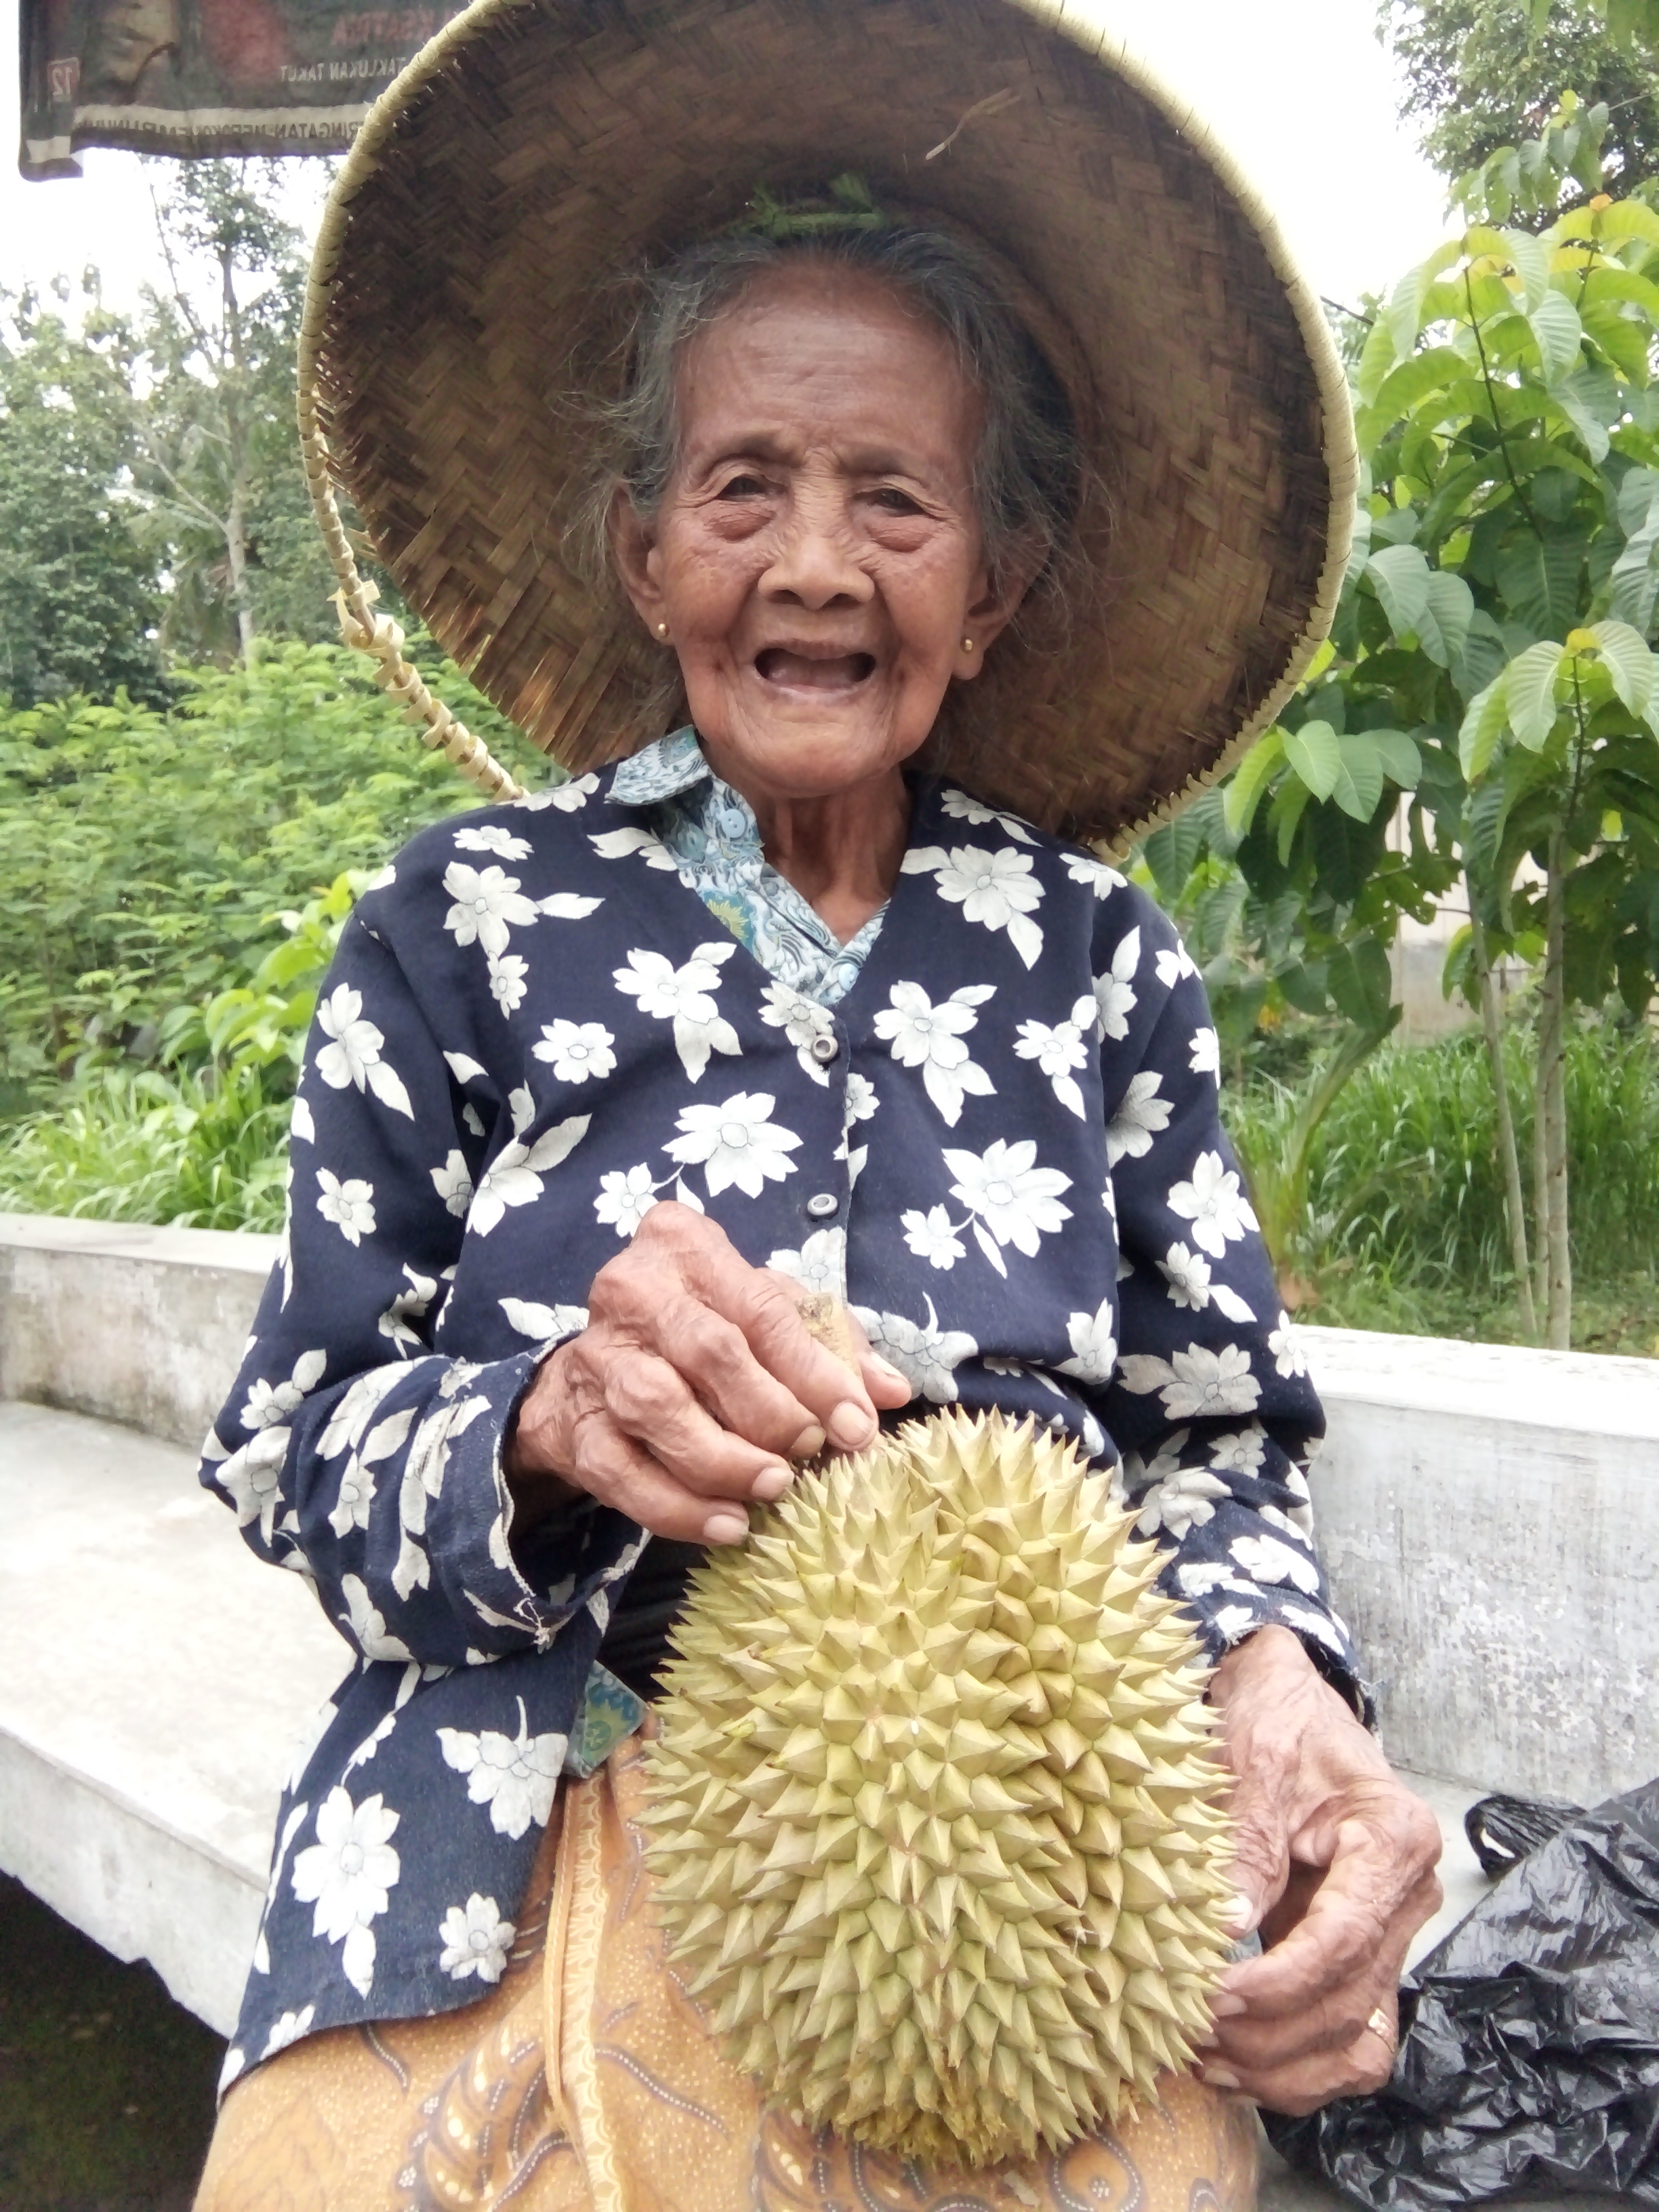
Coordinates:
814 563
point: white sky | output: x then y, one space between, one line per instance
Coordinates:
1299 89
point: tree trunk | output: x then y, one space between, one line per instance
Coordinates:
1551 1149
236 554
1515 1203
236 440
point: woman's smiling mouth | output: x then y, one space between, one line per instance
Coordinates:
790 669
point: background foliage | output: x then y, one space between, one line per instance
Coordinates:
193 784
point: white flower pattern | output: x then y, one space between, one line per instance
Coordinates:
437 1251
921 1035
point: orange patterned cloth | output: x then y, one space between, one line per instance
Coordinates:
642 2111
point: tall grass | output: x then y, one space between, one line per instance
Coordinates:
189 1150
1405 1206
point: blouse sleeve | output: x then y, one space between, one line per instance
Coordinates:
1210 1403
351 1451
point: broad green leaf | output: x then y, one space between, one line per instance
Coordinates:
1538 582
1402 763
1404 314
1406 387
1484 822
1483 724
1555 323
1623 219
1401 575
1396 525
1583 419
1531 261
1483 657
1359 786
1250 779
1171 853
1611 280
1623 339
1443 626
1628 662
1289 803
1636 496
1634 580
1376 361
1529 692
1360 551
1317 757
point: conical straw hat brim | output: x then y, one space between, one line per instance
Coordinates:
536 148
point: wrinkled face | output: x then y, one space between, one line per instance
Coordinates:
816 559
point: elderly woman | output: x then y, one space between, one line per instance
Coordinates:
903 515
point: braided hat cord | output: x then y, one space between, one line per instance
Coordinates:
375 635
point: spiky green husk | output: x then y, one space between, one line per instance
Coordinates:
937 1826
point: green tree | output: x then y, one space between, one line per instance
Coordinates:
79 596
1482 74
227 502
1485 74
1496 620
144 855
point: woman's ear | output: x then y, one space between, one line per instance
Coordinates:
634 550
997 601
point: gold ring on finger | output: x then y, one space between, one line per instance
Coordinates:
1379 2024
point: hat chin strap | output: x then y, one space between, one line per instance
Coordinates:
377 636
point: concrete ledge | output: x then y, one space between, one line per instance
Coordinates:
154 1679
1490 1518
128 1323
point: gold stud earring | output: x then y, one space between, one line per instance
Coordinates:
966 644
662 632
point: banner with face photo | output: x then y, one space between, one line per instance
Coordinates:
206 76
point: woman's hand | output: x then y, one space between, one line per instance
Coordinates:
1335 1865
694 1385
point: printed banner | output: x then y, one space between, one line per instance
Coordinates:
206 76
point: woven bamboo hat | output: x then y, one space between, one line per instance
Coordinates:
536 148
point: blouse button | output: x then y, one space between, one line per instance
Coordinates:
822 1205
825 1046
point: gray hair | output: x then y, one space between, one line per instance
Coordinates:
1027 476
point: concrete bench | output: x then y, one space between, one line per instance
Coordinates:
1490 1517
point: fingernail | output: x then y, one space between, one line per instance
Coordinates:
808 1444
1225 2005
725 1528
1241 1913
1208 2041
1220 2077
893 1374
850 1426
770 1483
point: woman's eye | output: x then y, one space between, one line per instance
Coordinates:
892 501
744 486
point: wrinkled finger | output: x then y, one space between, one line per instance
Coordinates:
1358 1923
616 1469
767 1307
651 1402
712 1353
885 1385
1257 2045
1359 2068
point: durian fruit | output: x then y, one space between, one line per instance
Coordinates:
935 1816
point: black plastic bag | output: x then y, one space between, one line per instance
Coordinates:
1529 2057
1502 1830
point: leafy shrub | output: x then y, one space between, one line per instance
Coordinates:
195 1150
1404 1200
144 855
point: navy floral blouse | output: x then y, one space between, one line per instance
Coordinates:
990 1124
